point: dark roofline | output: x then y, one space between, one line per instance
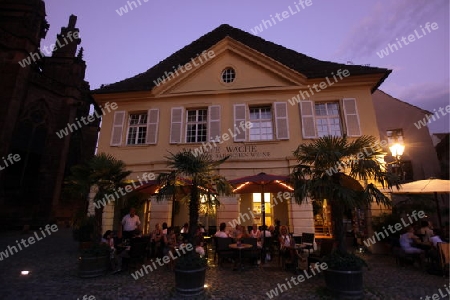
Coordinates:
308 66
421 109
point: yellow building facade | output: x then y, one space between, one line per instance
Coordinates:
230 93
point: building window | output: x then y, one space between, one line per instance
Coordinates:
327 119
395 136
228 75
261 119
196 125
137 129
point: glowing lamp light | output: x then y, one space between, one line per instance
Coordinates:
205 285
397 150
24 272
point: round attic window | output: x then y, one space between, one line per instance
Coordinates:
228 75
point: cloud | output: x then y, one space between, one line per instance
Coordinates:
430 96
384 23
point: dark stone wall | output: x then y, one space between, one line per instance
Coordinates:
36 101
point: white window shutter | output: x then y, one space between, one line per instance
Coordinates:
308 120
281 120
176 125
152 126
117 128
240 132
351 117
214 122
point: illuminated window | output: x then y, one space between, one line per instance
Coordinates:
257 207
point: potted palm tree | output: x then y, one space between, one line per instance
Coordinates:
102 174
197 174
330 168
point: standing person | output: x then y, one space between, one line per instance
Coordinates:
164 228
130 223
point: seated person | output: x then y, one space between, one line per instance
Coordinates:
436 238
266 232
255 233
407 240
157 241
222 233
185 228
426 231
170 242
244 233
199 234
107 238
433 253
199 247
286 242
116 257
237 232
201 228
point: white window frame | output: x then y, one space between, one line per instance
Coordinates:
260 121
139 126
328 117
348 118
179 124
196 123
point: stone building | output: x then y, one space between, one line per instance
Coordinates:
200 97
399 122
42 91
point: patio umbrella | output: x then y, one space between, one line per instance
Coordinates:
150 187
262 183
427 186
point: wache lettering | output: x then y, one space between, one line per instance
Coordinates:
243 151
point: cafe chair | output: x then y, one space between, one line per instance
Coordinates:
138 251
297 239
268 247
223 250
444 257
308 241
253 253
326 247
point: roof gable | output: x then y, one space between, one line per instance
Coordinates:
252 69
308 66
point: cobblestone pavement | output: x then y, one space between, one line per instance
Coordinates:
52 263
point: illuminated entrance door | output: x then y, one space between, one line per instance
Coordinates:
257 208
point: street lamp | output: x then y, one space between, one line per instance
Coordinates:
397 152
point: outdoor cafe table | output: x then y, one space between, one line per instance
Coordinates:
240 247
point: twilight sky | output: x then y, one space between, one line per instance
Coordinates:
344 31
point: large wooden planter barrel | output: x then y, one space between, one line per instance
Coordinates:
345 284
190 282
92 266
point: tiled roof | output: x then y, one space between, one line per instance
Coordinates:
308 66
